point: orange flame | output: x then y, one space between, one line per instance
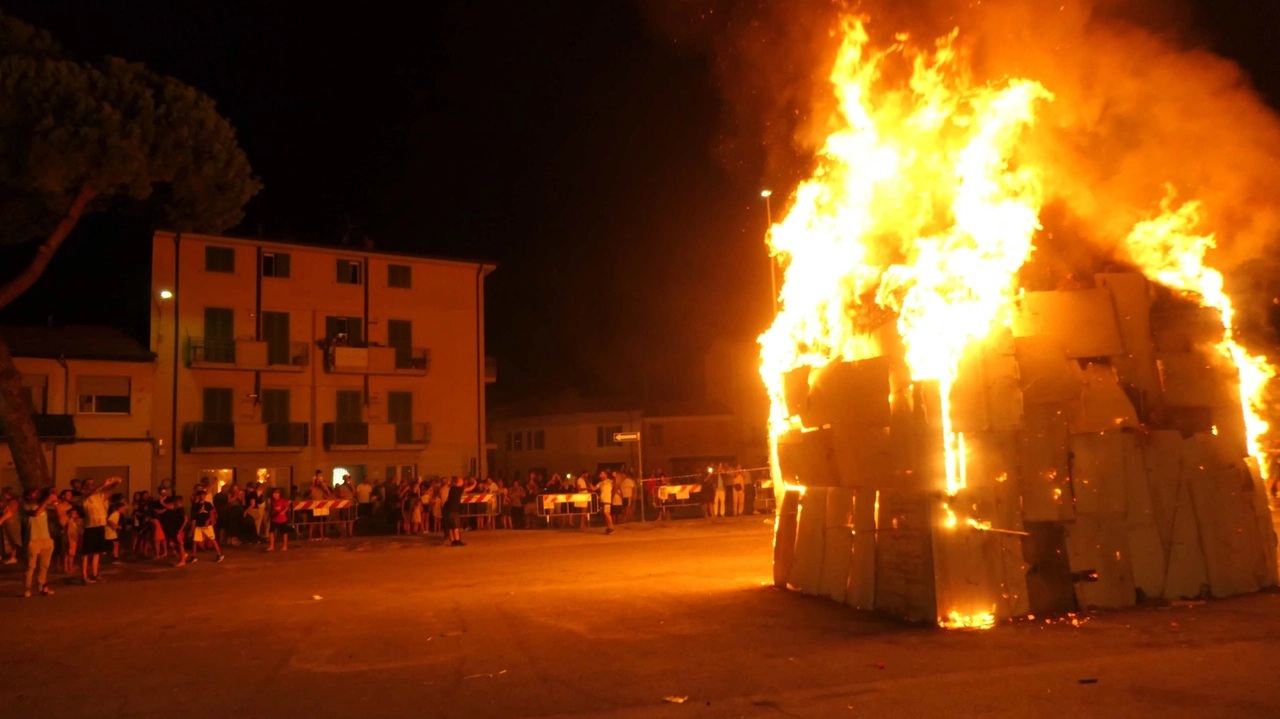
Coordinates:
1169 251
916 209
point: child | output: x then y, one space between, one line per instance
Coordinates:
204 520
71 539
278 509
114 525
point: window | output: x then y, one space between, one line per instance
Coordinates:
275 331
103 395
218 344
35 387
217 405
400 413
348 272
350 406
348 328
539 440
406 472
656 435
399 276
400 336
604 436
275 406
219 259
519 441
275 264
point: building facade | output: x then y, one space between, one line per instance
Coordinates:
678 440
91 392
277 359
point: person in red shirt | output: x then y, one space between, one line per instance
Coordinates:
278 509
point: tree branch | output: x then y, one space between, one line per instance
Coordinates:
15 287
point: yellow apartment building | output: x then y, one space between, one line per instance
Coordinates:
276 359
91 391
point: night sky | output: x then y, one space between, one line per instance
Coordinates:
579 145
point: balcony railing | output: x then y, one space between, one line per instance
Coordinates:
413 358
287 434
413 432
210 435
52 427
377 359
288 354
211 350
346 434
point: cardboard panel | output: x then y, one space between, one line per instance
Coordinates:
1147 550
809 458
1045 374
966 569
1185 577
838 544
1098 474
1267 571
1222 501
1083 321
1003 390
1131 296
865 456
784 538
1179 325
1101 546
1050 586
860 590
1162 459
855 393
968 393
1045 477
904 557
811 523
1102 405
1196 379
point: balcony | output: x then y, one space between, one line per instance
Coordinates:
50 427
490 370
244 437
365 436
282 435
209 436
247 354
210 352
376 359
288 356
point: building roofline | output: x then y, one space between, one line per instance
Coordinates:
488 265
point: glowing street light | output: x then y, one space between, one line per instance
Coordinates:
166 295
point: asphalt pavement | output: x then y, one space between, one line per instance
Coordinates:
574 623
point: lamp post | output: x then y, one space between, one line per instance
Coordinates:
773 265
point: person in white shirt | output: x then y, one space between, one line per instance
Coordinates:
739 492
628 491
583 488
94 544
605 488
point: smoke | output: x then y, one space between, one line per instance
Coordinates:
1138 107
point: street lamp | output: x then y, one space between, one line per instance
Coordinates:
166 295
773 265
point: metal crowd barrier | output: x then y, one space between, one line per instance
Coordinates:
302 513
679 495
481 504
573 504
765 501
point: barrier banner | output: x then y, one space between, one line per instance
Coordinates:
549 501
677 491
323 504
478 498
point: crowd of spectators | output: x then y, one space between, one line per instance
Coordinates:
71 530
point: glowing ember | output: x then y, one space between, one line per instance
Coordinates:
955 620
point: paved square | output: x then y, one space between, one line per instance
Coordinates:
573 623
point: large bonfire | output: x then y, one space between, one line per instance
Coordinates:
924 207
